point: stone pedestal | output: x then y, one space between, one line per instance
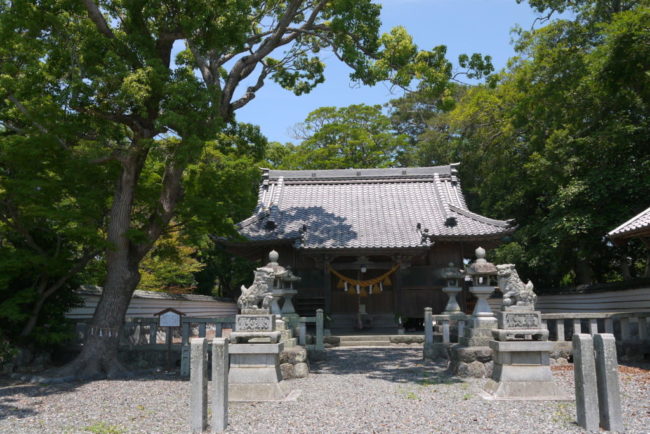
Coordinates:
254 359
521 356
255 372
452 304
479 331
522 370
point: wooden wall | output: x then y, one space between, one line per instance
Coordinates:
630 300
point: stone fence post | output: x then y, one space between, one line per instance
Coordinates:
319 330
609 395
428 334
198 385
220 369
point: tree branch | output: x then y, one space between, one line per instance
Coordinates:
170 195
39 126
245 65
96 17
250 91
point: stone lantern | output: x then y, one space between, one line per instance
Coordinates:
453 278
282 290
484 281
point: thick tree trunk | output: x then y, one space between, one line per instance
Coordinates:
584 273
99 355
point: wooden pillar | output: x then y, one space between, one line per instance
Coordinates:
397 290
327 285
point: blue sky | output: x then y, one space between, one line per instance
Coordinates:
464 26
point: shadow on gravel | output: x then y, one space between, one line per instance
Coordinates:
399 365
11 394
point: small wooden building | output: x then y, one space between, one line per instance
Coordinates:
367 240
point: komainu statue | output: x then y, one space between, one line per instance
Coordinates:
515 292
259 291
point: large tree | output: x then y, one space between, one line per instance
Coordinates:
559 141
358 136
109 71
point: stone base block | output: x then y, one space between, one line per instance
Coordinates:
242 337
293 355
524 390
256 392
255 372
478 336
522 371
473 362
520 335
289 371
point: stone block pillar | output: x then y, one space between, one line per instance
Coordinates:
609 395
220 368
199 385
585 382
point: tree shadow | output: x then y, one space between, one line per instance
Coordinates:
12 393
398 365
313 225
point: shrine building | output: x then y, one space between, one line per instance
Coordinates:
369 242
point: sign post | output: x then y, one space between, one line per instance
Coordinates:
169 318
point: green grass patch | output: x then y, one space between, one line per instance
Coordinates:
104 428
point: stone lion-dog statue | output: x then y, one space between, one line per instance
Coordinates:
259 291
515 292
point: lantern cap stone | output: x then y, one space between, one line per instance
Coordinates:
481 266
452 272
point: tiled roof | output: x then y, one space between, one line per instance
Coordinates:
365 208
638 223
139 293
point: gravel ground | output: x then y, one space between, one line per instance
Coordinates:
355 390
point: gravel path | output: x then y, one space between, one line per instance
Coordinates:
356 390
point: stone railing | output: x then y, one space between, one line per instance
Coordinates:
627 327
302 330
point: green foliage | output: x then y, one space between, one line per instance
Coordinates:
141 141
170 266
52 208
358 136
558 141
223 273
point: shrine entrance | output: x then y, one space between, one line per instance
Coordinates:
363 296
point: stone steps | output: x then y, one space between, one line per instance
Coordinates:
374 340
368 337
365 344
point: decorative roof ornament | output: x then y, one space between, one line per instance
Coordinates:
426 237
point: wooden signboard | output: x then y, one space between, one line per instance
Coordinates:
170 319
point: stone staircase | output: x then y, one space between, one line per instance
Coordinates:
379 324
365 341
